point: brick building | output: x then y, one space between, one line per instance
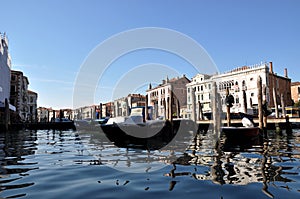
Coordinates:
295 91
158 97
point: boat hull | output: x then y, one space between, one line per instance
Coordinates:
151 136
241 132
239 139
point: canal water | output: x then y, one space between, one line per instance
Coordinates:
84 164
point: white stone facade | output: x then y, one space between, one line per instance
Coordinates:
5 65
123 105
241 82
86 112
201 85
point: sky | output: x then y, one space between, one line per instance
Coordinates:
52 40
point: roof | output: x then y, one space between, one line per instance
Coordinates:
295 83
31 92
173 80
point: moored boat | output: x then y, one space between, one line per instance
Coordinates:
248 130
151 135
241 131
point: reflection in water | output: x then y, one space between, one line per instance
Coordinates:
249 163
14 147
45 160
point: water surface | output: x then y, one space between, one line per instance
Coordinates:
84 164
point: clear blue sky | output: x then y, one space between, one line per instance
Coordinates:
50 39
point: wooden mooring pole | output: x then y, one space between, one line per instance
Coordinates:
282 105
228 109
259 98
265 110
215 111
244 101
165 109
288 127
146 109
177 108
171 102
200 112
53 115
100 111
194 118
275 101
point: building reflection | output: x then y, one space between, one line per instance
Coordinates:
255 162
14 147
267 162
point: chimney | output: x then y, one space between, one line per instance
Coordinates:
271 67
285 73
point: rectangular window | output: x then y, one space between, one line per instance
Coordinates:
12 89
13 78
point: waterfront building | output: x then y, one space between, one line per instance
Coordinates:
200 87
295 91
32 103
281 85
184 112
108 109
48 114
64 113
5 67
158 97
242 85
43 114
19 94
85 113
123 105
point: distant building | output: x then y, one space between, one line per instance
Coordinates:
19 94
123 105
108 109
67 113
86 112
295 91
43 114
158 97
48 114
32 103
